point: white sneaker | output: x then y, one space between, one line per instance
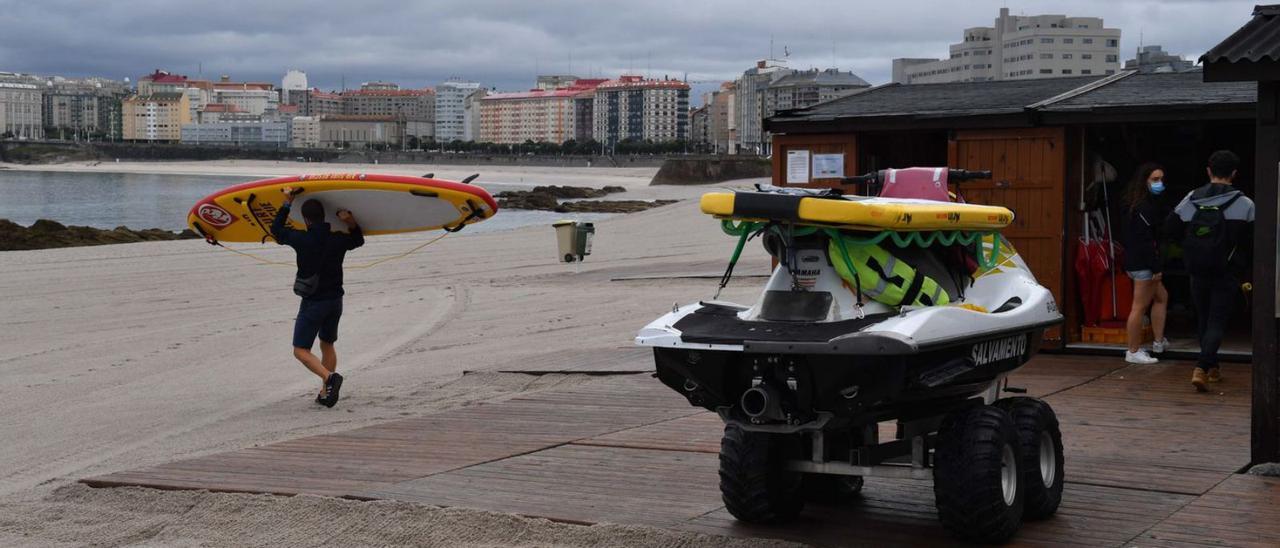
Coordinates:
1141 357
1159 346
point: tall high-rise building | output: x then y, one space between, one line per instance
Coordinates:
293 81
639 109
751 108
1021 47
451 99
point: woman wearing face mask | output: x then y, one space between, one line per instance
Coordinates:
1142 260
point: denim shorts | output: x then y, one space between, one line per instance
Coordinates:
1141 275
317 317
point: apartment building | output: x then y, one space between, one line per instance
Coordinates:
471 115
451 99
1021 47
633 107
89 107
540 115
293 81
537 115
750 107
584 113
244 130
158 116
698 128
305 132
415 108
20 109
721 124
805 88
350 131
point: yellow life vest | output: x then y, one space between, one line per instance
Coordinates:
885 278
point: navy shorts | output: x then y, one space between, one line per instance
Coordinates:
317 318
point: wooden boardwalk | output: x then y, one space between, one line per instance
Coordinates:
1149 462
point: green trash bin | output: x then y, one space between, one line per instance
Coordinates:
573 239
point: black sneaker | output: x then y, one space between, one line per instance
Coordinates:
332 385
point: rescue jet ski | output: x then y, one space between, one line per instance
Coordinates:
903 306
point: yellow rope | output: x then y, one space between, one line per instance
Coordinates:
353 267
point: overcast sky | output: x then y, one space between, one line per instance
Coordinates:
504 44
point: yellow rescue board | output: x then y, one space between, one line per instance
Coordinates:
382 204
862 214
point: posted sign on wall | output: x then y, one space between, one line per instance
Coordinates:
797 167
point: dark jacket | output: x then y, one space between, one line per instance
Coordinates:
1239 222
1142 236
319 251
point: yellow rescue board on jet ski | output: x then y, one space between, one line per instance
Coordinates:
874 214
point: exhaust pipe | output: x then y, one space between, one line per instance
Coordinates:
761 401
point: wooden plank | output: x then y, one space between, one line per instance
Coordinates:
579 483
698 433
1243 510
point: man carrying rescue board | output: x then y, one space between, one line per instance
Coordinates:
319 283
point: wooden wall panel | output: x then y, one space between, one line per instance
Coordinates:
821 143
1028 176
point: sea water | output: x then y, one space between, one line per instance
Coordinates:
142 200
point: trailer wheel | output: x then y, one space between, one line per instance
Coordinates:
754 483
831 489
1042 460
976 479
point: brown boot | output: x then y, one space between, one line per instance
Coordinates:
1215 374
1199 379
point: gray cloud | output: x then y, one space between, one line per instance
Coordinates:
505 44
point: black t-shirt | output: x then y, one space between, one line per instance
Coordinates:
319 251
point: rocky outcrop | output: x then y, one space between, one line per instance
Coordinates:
548 198
44 234
710 169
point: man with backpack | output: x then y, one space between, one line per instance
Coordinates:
1215 224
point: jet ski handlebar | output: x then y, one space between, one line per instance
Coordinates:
953 175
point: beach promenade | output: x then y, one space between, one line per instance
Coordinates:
493 397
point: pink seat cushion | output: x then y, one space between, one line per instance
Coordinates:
924 183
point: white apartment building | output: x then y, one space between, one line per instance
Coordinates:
1019 48
247 99
295 81
451 99
20 110
538 116
305 133
632 107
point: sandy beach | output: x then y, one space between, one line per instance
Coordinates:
121 356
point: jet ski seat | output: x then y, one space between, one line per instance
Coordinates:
922 183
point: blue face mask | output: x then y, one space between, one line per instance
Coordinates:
1157 187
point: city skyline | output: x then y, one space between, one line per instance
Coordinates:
506 46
